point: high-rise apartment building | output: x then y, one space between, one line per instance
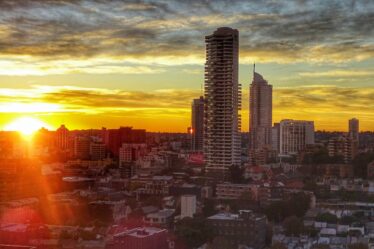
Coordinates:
260 106
197 124
295 135
222 142
260 120
354 128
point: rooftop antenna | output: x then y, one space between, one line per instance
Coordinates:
254 67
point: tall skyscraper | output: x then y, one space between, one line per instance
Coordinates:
197 124
222 145
261 111
354 128
295 135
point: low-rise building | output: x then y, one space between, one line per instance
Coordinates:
234 191
155 185
343 146
140 238
188 206
245 228
163 218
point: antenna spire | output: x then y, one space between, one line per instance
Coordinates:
254 67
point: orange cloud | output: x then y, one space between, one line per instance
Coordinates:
169 109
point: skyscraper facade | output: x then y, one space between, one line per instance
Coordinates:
260 120
222 101
197 126
354 128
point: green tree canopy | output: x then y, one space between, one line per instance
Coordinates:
358 246
293 226
327 217
278 245
360 164
193 231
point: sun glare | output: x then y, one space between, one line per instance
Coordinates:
26 125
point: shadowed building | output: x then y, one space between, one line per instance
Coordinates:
354 128
222 102
231 230
62 137
260 120
344 147
197 126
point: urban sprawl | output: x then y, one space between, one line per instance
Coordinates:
281 186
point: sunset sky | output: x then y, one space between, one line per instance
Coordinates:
97 63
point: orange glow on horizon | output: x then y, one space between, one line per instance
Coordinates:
27 126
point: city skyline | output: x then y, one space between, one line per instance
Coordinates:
317 55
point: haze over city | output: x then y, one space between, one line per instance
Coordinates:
90 64
187 124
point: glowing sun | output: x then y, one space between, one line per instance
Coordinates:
26 125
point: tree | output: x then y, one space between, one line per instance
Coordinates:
297 205
327 217
209 208
348 220
220 242
236 174
293 226
358 246
321 156
275 211
193 231
278 245
247 196
360 164
310 184
321 246
153 201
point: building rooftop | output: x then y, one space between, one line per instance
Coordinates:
162 213
13 227
240 216
225 30
141 232
162 178
224 216
76 179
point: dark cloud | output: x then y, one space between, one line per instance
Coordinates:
279 30
120 99
308 99
317 98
